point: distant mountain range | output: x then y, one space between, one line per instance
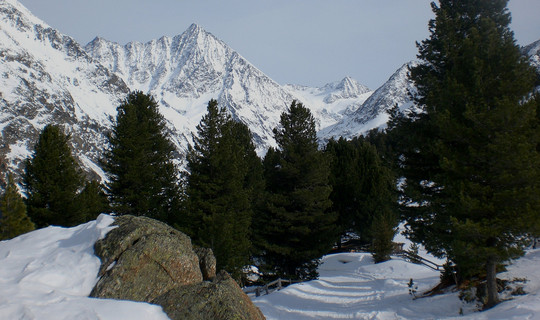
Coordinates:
47 77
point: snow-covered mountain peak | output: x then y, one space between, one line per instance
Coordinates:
372 113
161 63
344 89
333 101
184 72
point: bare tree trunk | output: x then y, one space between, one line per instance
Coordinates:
491 284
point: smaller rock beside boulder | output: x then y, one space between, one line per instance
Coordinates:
207 262
221 298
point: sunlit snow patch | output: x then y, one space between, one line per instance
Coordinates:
49 273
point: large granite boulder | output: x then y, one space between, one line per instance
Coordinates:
142 259
146 260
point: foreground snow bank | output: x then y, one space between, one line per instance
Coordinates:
49 273
351 286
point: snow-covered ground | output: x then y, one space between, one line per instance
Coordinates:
351 286
49 273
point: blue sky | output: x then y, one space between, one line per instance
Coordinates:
308 42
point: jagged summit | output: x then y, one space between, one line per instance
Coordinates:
345 89
184 72
195 29
149 66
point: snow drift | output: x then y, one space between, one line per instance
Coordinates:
49 273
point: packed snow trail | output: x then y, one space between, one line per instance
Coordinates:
49 273
351 286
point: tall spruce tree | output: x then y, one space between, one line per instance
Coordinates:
143 179
471 162
52 181
223 186
13 218
297 226
362 186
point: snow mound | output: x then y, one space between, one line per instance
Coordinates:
49 273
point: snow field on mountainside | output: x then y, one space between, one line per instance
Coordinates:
49 273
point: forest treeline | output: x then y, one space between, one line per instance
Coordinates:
281 213
460 170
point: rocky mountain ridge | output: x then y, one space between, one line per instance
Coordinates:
184 72
47 77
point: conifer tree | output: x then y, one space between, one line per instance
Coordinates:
139 162
297 226
224 182
362 186
13 218
471 162
383 229
52 181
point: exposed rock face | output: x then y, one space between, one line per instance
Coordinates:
146 260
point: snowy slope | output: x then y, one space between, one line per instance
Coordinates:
46 77
49 273
332 102
372 113
533 52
